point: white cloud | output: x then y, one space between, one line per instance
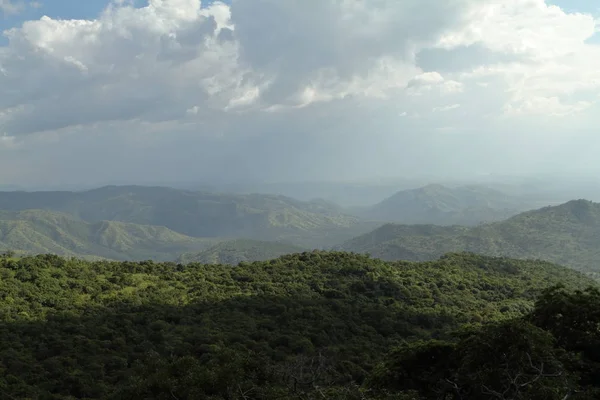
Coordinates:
10 7
296 80
446 108
546 106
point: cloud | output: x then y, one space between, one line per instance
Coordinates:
11 7
295 89
446 108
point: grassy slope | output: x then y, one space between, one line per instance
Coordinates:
568 234
235 251
40 231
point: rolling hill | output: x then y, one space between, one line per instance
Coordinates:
316 224
235 251
441 205
41 231
567 234
110 330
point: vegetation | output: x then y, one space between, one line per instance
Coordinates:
567 234
241 250
303 326
440 205
39 231
316 224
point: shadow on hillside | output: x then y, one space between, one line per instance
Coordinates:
126 351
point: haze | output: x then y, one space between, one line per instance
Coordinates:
296 90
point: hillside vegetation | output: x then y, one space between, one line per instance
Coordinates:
441 205
241 250
568 234
316 224
302 326
40 231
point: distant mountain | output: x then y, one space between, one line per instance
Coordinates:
200 214
441 205
41 231
235 251
568 234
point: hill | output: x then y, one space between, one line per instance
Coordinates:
566 234
40 231
200 214
235 251
303 326
441 205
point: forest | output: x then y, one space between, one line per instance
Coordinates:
309 325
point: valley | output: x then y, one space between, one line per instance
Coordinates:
160 223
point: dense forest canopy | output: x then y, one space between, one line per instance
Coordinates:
304 326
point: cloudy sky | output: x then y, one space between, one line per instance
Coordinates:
182 90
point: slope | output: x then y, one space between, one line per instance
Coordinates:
200 214
568 234
441 205
41 231
235 251
75 329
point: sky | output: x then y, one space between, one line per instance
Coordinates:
290 90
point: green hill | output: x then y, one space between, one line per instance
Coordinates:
303 326
568 234
235 251
200 214
441 205
40 231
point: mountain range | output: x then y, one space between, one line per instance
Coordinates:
42 231
135 222
567 234
443 205
314 224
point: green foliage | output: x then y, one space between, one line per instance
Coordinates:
574 319
199 214
241 250
508 360
567 235
303 326
39 231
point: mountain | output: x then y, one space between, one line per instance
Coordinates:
200 214
235 251
304 326
441 205
567 234
41 231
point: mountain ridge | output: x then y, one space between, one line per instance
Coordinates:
567 234
444 205
201 214
42 231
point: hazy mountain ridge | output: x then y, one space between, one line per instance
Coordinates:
568 234
42 231
200 214
163 223
442 205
